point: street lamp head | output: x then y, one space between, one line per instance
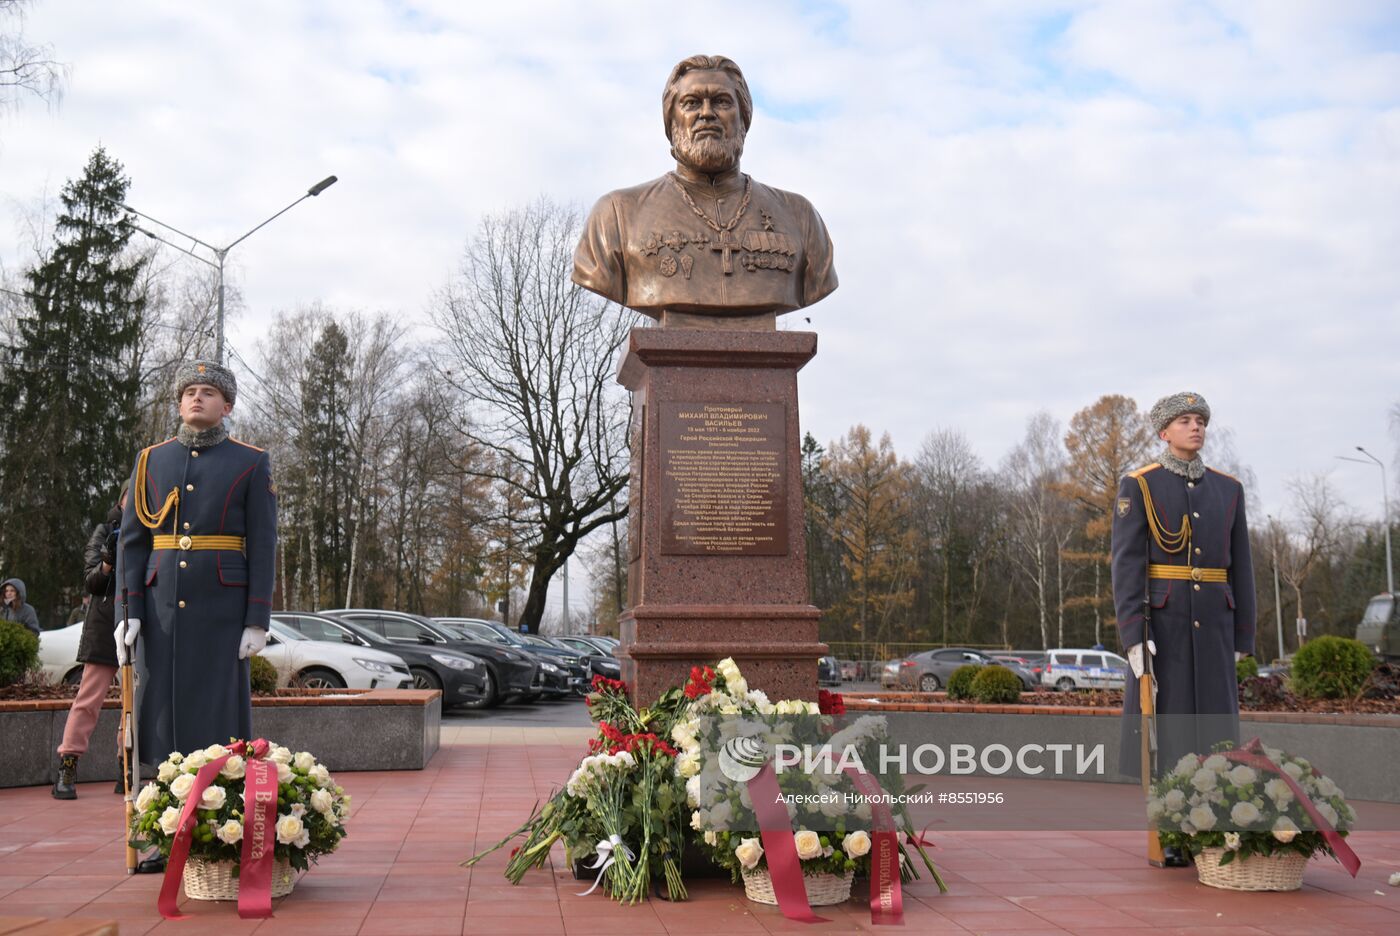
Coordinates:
321 186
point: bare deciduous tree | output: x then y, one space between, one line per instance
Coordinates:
535 354
1321 524
25 67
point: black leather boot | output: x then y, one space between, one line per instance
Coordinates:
63 784
1175 858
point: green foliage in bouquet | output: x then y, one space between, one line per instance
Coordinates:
622 804
311 808
262 674
1213 802
996 685
960 683
1246 668
19 652
1331 668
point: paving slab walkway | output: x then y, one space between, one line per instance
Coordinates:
398 871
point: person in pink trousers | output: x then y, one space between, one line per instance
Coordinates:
97 651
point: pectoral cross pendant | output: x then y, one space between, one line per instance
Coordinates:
726 244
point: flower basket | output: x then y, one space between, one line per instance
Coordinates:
823 890
1282 871
214 880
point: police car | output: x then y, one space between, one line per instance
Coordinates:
1067 670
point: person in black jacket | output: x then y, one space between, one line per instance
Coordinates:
97 650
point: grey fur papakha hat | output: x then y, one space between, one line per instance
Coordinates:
1169 407
206 372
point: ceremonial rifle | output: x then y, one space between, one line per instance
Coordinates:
1147 698
131 751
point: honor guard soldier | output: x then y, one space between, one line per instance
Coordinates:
1182 572
198 538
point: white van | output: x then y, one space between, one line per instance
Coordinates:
1084 669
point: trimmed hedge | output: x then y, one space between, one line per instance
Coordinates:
996 685
1331 668
960 683
19 652
262 674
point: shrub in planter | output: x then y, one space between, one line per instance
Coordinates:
262 674
1331 668
1264 692
1247 668
996 685
960 683
19 652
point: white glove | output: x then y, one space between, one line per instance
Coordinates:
133 628
1238 656
1135 656
254 639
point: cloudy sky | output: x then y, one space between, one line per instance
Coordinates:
1033 204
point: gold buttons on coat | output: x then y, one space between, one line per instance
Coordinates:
1193 513
1197 587
1196 623
1190 484
194 453
189 487
183 563
182 604
187 524
1198 550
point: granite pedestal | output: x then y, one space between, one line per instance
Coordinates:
718 561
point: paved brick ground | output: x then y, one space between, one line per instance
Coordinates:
398 871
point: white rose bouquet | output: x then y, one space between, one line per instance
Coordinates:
1240 802
832 832
311 808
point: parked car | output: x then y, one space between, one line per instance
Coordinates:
580 672
889 673
1032 661
462 678
929 670
563 672
513 675
850 670
58 652
599 656
316 664
1068 669
1277 667
1380 626
828 671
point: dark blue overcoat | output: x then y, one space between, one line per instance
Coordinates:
194 603
1197 626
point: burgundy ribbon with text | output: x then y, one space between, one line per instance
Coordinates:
775 828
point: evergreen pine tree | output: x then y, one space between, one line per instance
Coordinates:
68 396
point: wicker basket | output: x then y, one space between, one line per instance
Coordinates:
1278 872
822 889
214 880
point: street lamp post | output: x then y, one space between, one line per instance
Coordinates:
1278 597
220 253
1385 518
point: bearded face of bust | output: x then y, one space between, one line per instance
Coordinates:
707 131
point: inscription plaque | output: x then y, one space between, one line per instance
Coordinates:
723 479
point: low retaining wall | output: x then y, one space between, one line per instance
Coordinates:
347 729
1361 753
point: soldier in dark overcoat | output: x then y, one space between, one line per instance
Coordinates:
1180 538
198 539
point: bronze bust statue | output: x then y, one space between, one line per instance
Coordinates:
706 240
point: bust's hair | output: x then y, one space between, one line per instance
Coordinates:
707 63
